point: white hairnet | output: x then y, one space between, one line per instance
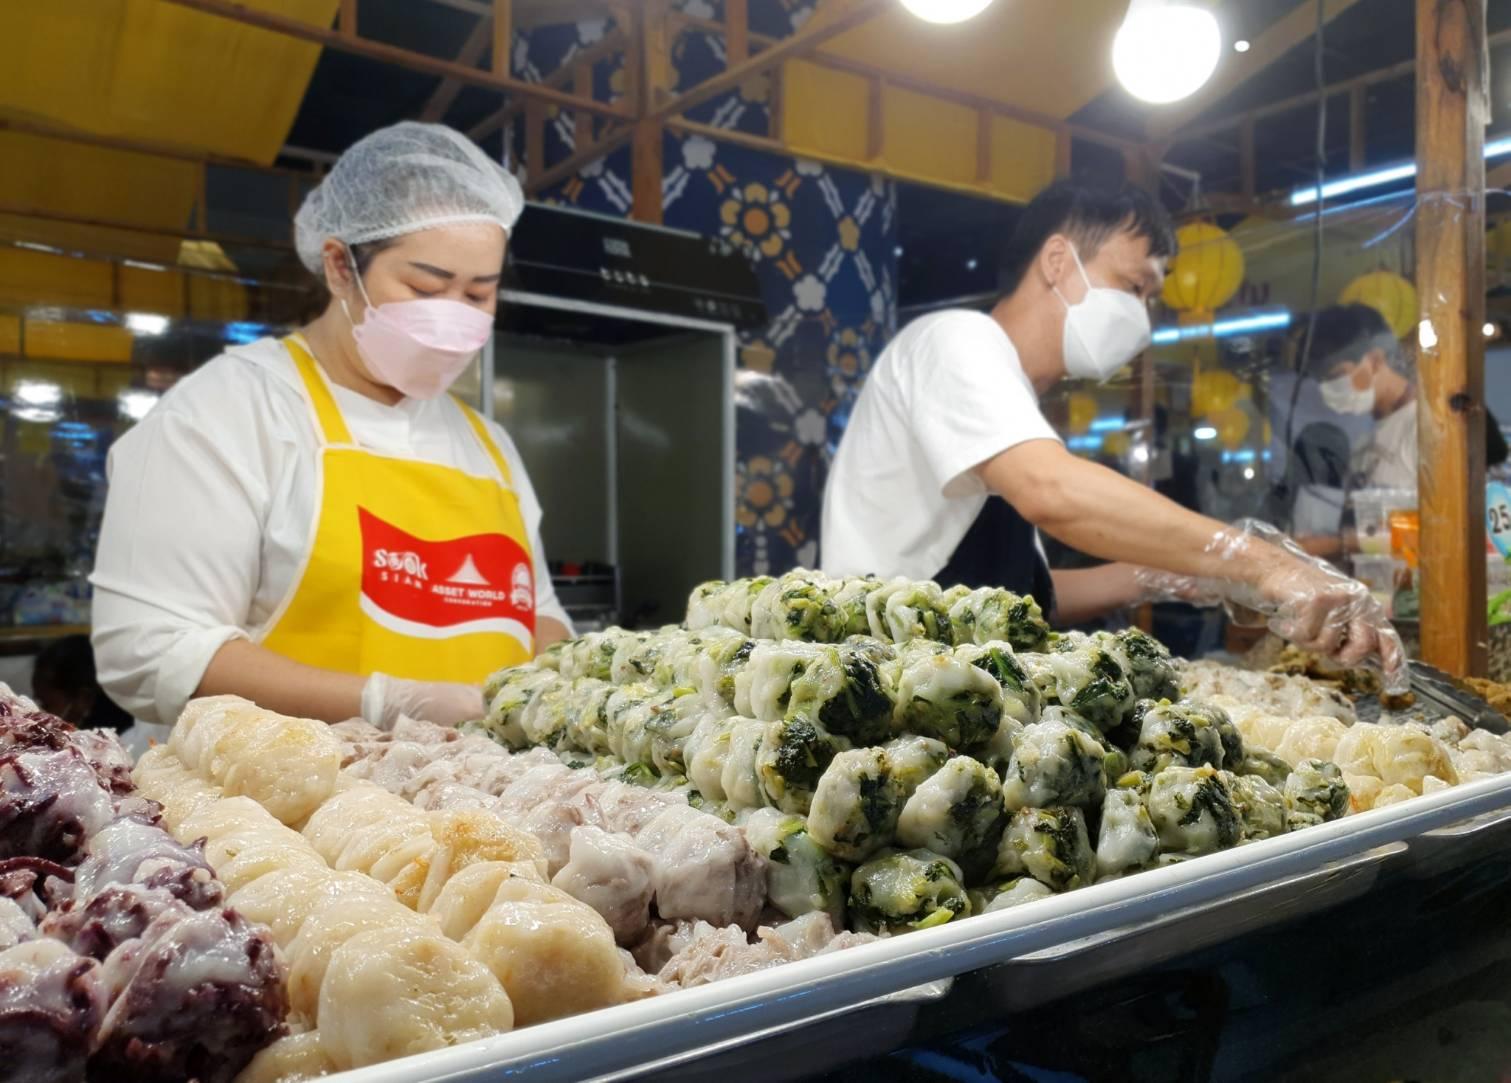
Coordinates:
403 179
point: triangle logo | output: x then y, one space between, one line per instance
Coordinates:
468 574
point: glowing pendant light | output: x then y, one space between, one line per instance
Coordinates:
946 11
1166 50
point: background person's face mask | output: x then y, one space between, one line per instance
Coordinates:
418 347
1104 331
1342 397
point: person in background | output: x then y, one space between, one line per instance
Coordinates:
312 522
948 468
63 683
1361 369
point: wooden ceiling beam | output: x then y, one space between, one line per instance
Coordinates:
850 14
478 42
1238 68
392 54
612 43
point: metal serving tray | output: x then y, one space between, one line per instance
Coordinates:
886 982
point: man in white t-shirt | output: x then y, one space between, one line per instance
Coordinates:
949 422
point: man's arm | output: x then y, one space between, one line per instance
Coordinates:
1085 593
1104 514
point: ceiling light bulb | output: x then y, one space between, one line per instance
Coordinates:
1241 45
1489 329
146 323
1166 51
946 11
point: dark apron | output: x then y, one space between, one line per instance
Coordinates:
999 551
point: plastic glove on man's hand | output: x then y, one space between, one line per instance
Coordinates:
385 699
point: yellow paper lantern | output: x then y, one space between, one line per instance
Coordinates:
1206 271
1214 391
1232 426
1116 443
1082 411
1387 293
1498 243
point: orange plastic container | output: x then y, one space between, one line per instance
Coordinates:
1405 535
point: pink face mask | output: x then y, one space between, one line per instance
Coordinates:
419 347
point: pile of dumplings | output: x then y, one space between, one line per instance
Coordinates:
403 930
905 755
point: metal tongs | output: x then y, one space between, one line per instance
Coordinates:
1435 692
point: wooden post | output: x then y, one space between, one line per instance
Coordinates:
653 86
503 36
737 32
1452 110
1356 129
582 124
347 23
535 139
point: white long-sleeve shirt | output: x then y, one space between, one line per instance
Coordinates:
211 502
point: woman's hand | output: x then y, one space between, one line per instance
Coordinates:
385 699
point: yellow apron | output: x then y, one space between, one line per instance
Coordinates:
414 569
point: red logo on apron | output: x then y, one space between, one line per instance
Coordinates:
436 589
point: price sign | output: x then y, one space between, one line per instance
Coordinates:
1498 516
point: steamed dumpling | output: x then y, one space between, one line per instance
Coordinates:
393 993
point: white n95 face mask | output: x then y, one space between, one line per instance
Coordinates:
1104 331
1342 397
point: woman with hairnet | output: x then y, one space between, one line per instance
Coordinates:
312 522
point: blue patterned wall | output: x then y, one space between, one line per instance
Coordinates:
824 244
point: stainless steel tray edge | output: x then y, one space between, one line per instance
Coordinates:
610 1042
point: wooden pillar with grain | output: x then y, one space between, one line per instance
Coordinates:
503 36
647 168
1452 110
737 33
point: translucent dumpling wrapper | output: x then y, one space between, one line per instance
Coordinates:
284 899
1315 792
514 690
798 606
630 711
850 599
839 687
390 994
1310 739
287 765
1126 839
587 718
309 954
740 600
468 894
705 605
901 611
291 1059
944 697
1149 665
162 776
1193 811
1021 699
791 759
705 752
856 805
1362 791
901 891
1265 765
1175 733
1261 807
912 760
671 723
956 812
801 876
740 775
1049 844
719 665
1006 894
553 955
1083 677
992 615
467 837
613 875
1396 755
1054 763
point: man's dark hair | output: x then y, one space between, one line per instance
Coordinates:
1089 216
1345 333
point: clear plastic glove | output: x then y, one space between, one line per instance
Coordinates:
1299 597
385 699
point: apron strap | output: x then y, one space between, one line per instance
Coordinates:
480 428
328 417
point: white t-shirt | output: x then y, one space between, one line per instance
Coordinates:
946 395
1390 460
208 515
